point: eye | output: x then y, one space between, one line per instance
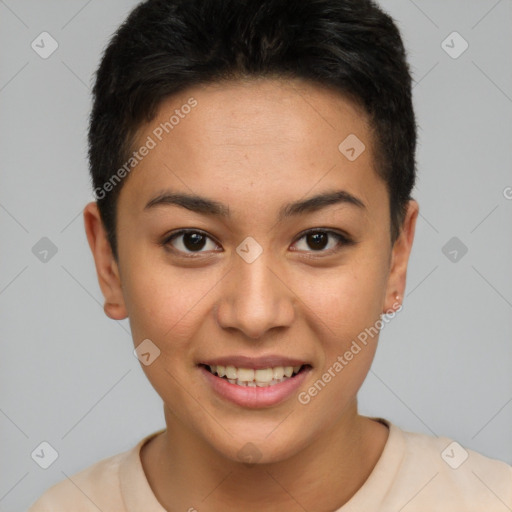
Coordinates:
318 241
189 241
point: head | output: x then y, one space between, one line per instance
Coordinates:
281 136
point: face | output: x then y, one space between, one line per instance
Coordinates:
248 242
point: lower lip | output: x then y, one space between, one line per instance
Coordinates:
255 397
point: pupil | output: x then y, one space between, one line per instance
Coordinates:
193 241
317 240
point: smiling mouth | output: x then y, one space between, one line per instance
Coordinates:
248 377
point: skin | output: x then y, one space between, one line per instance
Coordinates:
254 146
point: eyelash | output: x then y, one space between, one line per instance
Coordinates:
343 241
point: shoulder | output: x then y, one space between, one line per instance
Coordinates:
441 470
96 487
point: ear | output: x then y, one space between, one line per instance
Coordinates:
400 258
106 265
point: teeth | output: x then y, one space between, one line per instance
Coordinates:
264 376
278 372
245 374
231 372
249 377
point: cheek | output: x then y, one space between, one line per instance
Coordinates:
165 303
347 298
164 306
345 311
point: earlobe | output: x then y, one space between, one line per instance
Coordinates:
106 265
401 251
115 311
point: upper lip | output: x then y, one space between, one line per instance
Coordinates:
256 363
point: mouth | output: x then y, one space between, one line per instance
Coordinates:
256 377
255 382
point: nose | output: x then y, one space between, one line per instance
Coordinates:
255 299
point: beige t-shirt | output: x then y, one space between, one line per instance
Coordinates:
415 472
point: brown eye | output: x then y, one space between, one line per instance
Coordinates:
189 241
194 241
322 241
317 240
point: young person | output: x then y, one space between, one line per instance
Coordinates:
253 163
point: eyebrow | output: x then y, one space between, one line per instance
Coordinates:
206 206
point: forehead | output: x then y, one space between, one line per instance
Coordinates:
266 138
252 112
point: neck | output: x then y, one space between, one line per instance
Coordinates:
186 473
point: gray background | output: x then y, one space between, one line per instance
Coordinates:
68 375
